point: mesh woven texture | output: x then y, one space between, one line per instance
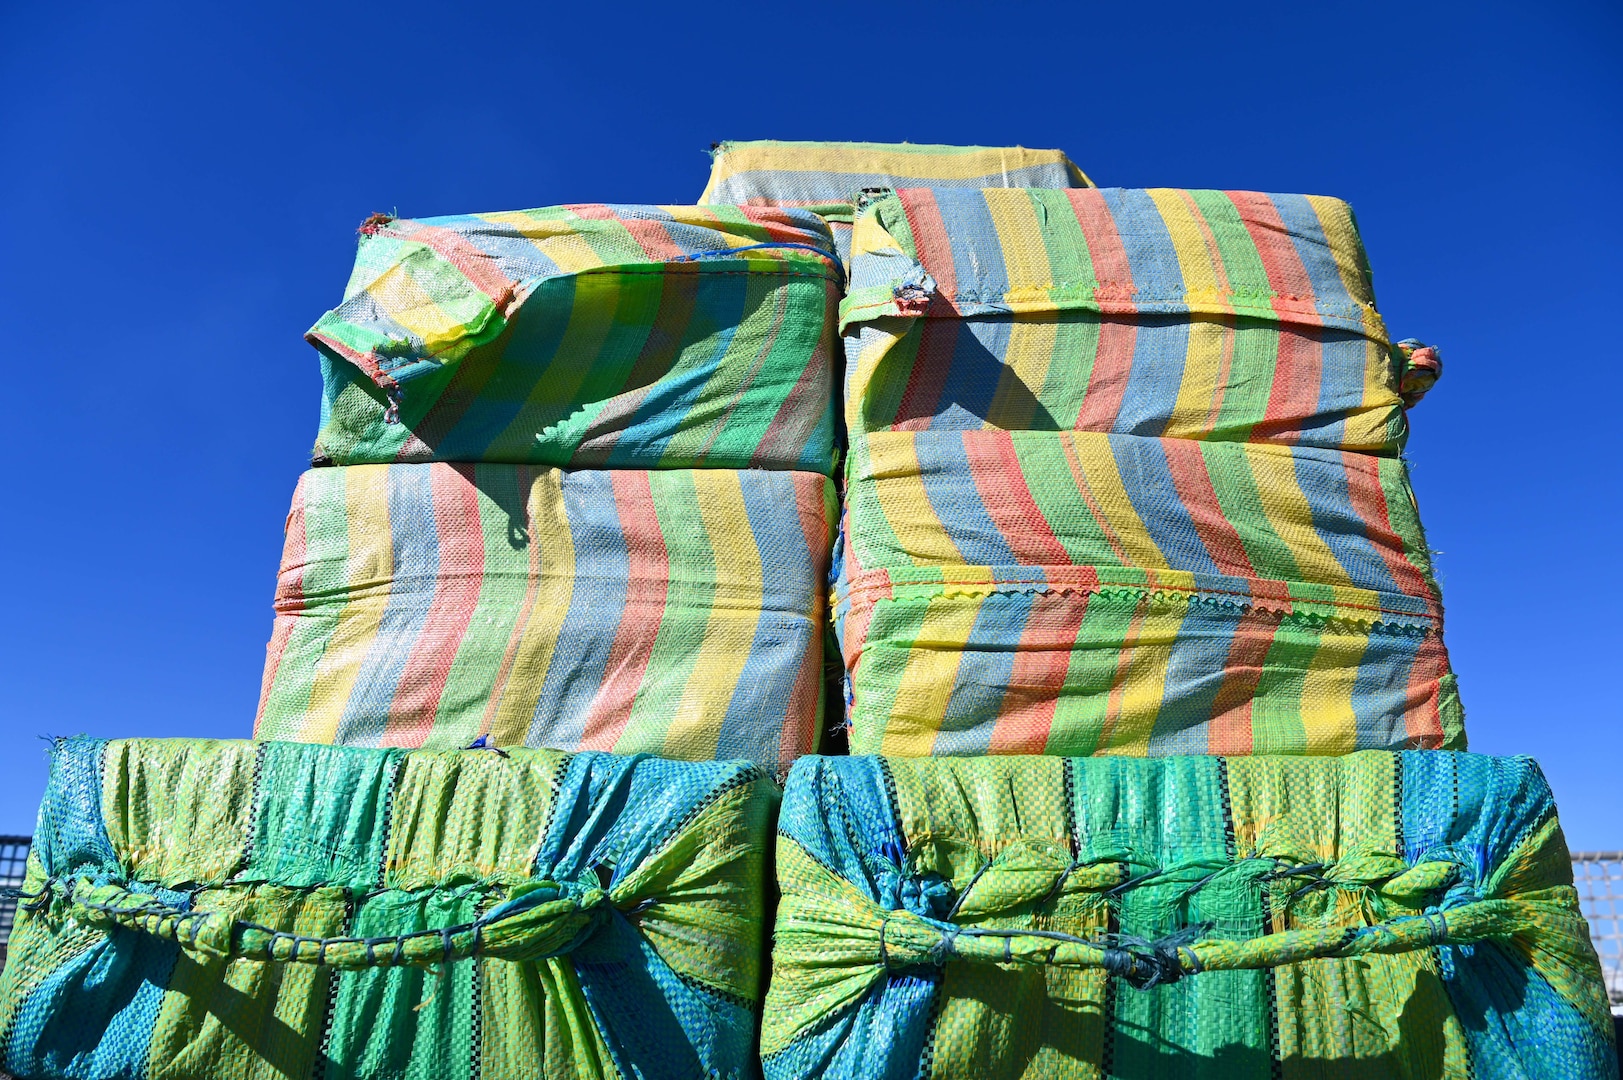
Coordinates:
676 612
1374 915
577 915
628 336
1226 315
829 177
1124 477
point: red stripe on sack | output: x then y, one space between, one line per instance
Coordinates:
1423 718
1107 381
1113 290
456 594
1230 732
289 597
1368 498
649 574
481 269
812 509
778 225
1037 677
802 716
995 468
1299 363
1193 484
932 245
654 237
927 379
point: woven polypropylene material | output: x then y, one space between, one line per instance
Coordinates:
676 612
829 177
1252 510
628 336
970 660
1227 315
260 910
1378 915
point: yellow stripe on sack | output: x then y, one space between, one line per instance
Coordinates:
554 561
1335 218
1020 237
1287 510
576 355
1204 284
1030 354
397 292
1140 688
927 680
892 455
1328 721
368 570
913 165
878 339
729 632
1093 467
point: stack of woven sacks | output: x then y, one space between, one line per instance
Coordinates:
1156 758
1124 487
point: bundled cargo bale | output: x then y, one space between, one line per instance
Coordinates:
1125 477
1200 314
1402 915
629 336
199 909
827 177
677 612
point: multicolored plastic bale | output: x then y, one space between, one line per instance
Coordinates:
1378 915
1230 315
198 909
828 177
643 337
1125 478
676 612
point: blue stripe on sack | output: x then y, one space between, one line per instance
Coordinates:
581 653
977 365
72 832
949 485
1322 476
94 1017
1380 693
1313 248
1342 359
1161 344
1147 478
416 542
718 309
1195 675
982 678
782 638
518 258
977 253
531 349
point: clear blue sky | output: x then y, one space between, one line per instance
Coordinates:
180 187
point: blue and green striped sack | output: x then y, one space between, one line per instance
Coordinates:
643 337
200 909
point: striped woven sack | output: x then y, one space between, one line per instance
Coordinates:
630 336
828 176
676 612
1024 573
1207 314
1379 915
269 911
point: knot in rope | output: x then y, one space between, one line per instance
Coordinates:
1422 367
1144 964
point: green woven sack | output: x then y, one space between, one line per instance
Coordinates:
1378 915
201 909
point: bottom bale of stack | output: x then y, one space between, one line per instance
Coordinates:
200 909
1382 914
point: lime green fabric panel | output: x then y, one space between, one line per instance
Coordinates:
161 797
245 1018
